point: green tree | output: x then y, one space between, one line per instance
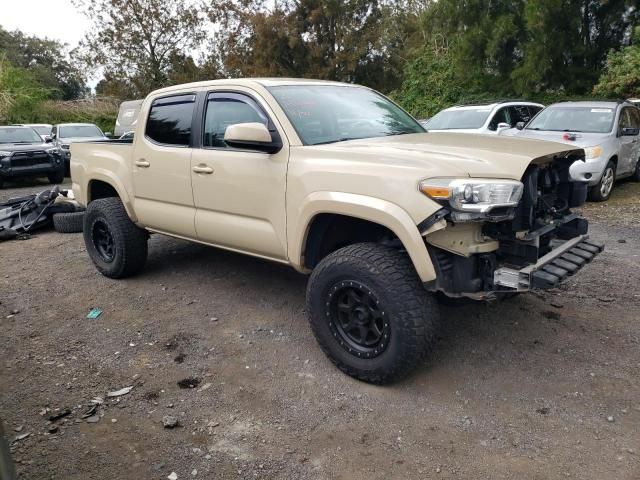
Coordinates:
47 61
567 42
351 40
136 42
621 77
20 93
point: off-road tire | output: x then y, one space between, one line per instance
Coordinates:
595 192
636 173
128 242
411 311
56 178
68 222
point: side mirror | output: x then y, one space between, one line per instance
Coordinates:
108 134
48 139
252 136
630 132
520 125
503 126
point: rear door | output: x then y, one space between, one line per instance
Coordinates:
239 194
162 165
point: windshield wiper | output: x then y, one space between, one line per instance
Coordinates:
342 139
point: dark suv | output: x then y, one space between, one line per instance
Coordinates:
24 154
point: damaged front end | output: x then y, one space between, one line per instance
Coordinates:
533 241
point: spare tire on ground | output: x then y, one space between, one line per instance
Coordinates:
68 222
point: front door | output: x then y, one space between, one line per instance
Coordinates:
239 194
162 167
630 149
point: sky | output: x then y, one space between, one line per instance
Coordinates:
55 19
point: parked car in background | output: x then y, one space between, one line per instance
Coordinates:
608 131
491 119
635 101
64 134
127 117
43 129
424 121
23 153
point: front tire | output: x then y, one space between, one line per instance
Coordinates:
636 173
602 190
117 247
370 313
56 178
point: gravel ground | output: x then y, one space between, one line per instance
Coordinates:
542 386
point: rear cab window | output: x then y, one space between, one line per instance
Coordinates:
169 121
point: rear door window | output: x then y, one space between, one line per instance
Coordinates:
169 121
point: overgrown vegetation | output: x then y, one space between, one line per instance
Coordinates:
427 54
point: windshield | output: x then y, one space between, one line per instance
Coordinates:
42 129
71 131
574 119
19 135
459 118
331 113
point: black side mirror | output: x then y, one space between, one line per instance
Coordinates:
520 125
629 132
48 139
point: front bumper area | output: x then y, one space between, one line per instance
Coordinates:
589 171
561 262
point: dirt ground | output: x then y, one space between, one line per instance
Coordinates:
542 386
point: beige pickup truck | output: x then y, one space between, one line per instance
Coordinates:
339 182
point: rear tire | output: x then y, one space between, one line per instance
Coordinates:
602 190
68 222
370 313
117 247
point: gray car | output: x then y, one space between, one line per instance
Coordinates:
608 131
64 134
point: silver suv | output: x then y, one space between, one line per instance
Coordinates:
489 119
608 131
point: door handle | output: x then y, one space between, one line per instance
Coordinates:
203 169
142 163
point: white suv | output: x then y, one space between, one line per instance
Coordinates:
490 119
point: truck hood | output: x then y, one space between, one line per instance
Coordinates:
581 139
452 154
20 147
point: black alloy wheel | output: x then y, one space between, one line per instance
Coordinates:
103 241
356 319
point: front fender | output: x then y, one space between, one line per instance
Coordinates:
372 209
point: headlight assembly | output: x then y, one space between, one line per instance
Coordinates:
4 153
474 199
593 152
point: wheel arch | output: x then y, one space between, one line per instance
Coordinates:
373 214
105 185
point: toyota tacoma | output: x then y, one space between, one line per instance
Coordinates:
339 182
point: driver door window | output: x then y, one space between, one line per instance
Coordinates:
225 109
500 117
